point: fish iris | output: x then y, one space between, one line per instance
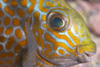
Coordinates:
57 22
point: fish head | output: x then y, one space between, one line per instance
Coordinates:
63 37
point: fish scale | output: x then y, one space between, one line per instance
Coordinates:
28 38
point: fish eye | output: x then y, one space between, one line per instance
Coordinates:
57 21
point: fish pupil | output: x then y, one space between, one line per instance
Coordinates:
57 22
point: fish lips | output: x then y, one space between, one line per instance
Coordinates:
60 62
69 61
85 57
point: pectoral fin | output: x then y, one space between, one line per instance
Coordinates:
32 48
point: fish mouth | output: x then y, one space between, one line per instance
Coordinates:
85 57
69 61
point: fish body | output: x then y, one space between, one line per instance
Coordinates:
55 35
13 42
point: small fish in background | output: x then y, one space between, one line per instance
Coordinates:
56 37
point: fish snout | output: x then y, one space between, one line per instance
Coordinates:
85 57
85 52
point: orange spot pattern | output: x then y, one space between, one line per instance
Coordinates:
6 20
1 30
10 43
21 13
61 51
28 20
17 48
43 17
13 3
61 36
1 13
2 39
8 31
9 11
23 2
40 31
0 22
1 62
56 45
12 30
22 43
1 47
0 5
41 6
30 9
5 1
9 54
9 61
18 33
50 4
17 59
16 22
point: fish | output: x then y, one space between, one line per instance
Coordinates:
43 33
